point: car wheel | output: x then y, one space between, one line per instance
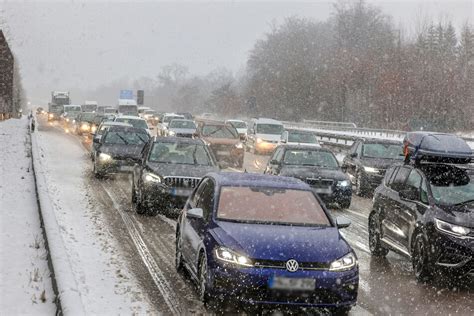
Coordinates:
97 174
375 245
360 184
178 252
341 311
139 204
345 204
203 279
420 260
134 193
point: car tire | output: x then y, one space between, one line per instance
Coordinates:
139 205
203 275
345 204
341 311
375 244
420 260
97 174
360 184
178 259
134 193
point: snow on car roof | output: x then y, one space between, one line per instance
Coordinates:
267 121
129 117
258 180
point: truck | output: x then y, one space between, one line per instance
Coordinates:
90 106
127 107
56 106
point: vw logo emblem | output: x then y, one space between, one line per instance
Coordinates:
292 265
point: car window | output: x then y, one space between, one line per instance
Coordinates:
125 138
270 206
414 182
359 149
134 122
299 137
389 175
424 192
400 178
304 157
272 129
180 153
198 191
278 154
219 131
383 151
206 199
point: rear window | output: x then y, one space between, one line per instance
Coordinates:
307 138
271 129
219 131
135 123
270 206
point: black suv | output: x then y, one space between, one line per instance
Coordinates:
169 170
316 166
367 161
425 212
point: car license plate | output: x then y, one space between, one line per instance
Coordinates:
223 153
126 168
323 190
280 283
180 192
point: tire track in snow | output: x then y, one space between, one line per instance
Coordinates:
166 290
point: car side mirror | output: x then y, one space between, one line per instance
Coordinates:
274 162
242 137
283 141
96 140
342 222
353 155
344 168
409 194
195 213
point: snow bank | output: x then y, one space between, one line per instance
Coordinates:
25 279
69 295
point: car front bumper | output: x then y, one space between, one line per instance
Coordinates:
114 165
265 147
251 285
338 195
158 195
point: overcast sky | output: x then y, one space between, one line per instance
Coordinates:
66 45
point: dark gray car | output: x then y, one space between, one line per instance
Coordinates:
367 161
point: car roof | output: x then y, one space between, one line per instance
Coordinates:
304 147
267 121
130 117
111 123
257 180
181 120
290 130
127 129
172 139
381 141
232 120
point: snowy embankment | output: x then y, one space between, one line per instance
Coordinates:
25 279
91 273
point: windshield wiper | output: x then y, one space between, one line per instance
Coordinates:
123 139
144 141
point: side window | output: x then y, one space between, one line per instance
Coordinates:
400 178
198 192
414 182
424 192
206 200
389 175
359 149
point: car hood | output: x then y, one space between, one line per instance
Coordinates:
181 170
183 130
280 243
303 172
457 214
241 130
221 141
378 163
269 137
122 151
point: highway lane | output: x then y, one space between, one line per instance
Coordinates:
387 286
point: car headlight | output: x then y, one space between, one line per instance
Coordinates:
371 170
105 157
343 183
85 126
74 121
345 263
67 120
93 129
151 178
455 230
259 140
172 133
51 115
239 146
227 255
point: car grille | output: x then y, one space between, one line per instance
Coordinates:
184 135
319 183
182 182
274 264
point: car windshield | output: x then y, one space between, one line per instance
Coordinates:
126 138
88 117
303 157
383 151
110 110
238 124
307 138
180 153
270 206
169 118
451 185
272 129
219 131
137 123
182 124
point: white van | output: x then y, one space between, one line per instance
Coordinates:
263 135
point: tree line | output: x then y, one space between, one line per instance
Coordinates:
354 67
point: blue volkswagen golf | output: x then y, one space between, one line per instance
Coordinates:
265 240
